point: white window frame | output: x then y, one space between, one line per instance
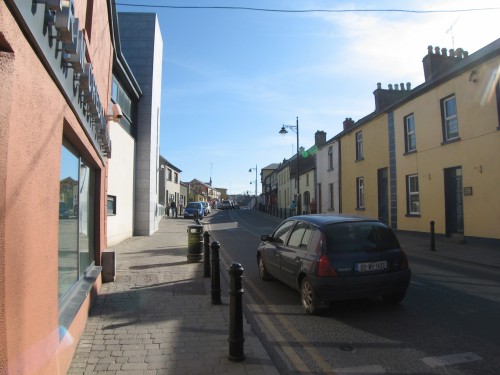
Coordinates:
413 194
450 120
330 158
410 133
360 192
359 145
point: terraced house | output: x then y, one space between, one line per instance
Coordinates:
429 154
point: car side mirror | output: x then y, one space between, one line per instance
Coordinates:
265 238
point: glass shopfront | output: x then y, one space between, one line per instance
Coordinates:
76 219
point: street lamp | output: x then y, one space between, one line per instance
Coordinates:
250 170
295 129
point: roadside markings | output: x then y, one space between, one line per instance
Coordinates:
291 355
452 359
375 369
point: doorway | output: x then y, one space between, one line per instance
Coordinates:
453 196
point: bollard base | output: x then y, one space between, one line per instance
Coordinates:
216 298
236 353
236 359
194 258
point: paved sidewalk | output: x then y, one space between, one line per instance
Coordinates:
158 317
471 251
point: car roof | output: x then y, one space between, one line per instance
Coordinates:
325 219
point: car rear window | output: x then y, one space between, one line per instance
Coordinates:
359 236
193 205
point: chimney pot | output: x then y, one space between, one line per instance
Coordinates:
379 86
444 52
408 86
436 51
429 50
390 86
402 85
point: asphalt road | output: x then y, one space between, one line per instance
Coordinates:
449 322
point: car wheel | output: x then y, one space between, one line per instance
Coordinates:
309 297
394 298
263 274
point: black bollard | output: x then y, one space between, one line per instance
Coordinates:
206 254
216 299
236 338
433 238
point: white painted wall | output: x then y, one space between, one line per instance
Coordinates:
327 176
121 184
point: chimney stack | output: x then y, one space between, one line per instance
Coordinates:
348 122
438 61
319 138
386 97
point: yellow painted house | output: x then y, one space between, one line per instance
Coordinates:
430 154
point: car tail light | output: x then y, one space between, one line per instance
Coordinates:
325 268
404 261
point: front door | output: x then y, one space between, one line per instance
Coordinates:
383 195
453 196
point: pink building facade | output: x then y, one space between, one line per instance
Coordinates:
56 61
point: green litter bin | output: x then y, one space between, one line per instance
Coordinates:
195 242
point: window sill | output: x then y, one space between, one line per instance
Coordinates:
458 139
71 303
358 160
413 215
410 152
360 209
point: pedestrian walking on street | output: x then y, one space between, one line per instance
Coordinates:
181 205
173 208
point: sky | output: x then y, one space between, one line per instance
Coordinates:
231 78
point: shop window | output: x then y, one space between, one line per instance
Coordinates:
76 219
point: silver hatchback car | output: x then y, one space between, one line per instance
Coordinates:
335 257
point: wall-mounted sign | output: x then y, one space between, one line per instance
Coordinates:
468 190
64 27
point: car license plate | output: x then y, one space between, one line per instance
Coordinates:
371 266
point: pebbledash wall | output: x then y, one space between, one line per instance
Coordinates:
56 130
